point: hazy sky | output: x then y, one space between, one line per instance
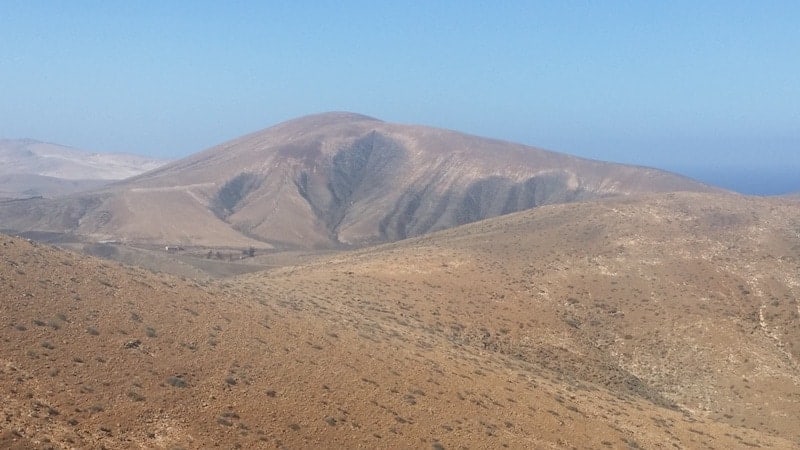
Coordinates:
698 87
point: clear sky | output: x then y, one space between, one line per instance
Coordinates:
710 88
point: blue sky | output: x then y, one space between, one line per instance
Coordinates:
701 88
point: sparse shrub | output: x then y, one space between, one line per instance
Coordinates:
135 396
133 344
225 418
177 381
48 345
633 444
93 331
230 414
190 345
224 421
150 332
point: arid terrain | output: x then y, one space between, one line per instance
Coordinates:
332 180
665 320
29 168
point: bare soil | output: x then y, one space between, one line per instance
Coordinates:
669 321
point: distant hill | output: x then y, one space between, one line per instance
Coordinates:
30 168
332 180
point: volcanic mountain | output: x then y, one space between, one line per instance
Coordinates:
31 168
658 321
332 180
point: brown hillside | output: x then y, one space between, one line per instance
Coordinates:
330 180
668 321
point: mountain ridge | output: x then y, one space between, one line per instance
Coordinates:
343 179
34 168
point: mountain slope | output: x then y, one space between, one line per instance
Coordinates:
32 168
691 300
342 179
614 324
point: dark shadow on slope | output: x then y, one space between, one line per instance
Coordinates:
233 192
424 211
354 173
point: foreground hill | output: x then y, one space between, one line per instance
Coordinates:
330 180
31 168
668 321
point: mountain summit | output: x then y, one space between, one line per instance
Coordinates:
335 179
